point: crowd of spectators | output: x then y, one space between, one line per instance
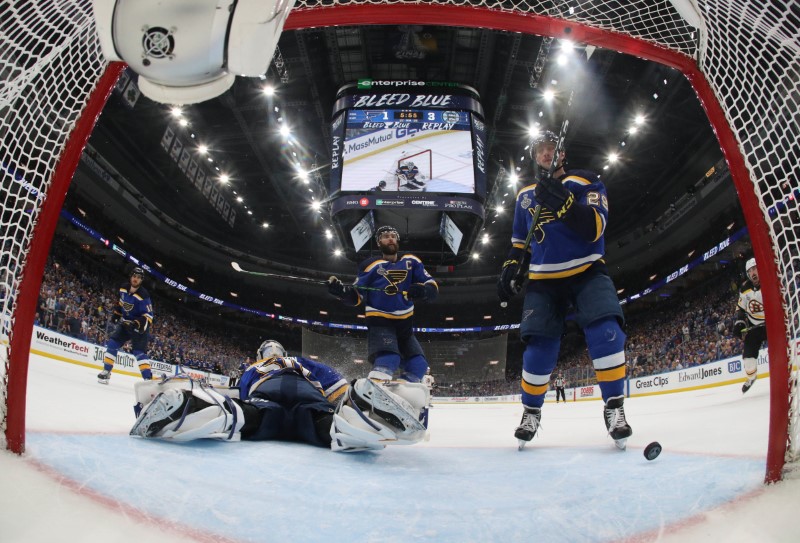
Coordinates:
77 298
682 331
79 292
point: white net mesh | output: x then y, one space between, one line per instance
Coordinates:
747 50
49 63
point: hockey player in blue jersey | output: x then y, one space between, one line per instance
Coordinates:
566 270
133 315
286 398
402 280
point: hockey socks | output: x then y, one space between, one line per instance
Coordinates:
606 342
538 362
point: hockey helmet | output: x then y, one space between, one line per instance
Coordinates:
270 348
750 264
384 229
545 136
137 271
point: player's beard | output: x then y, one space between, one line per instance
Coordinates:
389 249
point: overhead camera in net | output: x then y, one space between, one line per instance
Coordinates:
189 51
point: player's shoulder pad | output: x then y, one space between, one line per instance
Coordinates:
124 286
409 256
581 177
369 262
745 286
525 188
143 293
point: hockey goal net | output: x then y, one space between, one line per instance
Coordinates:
741 56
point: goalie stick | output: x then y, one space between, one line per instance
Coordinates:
238 268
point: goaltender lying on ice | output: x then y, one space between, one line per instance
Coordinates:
368 416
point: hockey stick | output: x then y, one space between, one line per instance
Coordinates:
562 134
238 268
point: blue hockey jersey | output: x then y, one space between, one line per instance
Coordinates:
394 279
326 379
136 307
556 249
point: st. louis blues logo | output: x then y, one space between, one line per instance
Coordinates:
127 306
375 116
545 216
394 277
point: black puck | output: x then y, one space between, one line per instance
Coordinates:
652 451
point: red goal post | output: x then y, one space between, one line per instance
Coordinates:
739 55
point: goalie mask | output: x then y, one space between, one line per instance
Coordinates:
270 348
386 230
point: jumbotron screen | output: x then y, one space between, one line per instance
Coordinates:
408 150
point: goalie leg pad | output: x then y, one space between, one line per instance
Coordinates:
386 404
353 431
185 415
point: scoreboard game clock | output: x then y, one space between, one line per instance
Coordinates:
407 153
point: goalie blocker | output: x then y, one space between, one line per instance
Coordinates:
370 416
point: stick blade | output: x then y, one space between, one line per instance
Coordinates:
236 266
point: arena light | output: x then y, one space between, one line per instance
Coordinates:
176 112
487 317
264 225
494 362
316 205
235 295
190 279
639 119
224 179
328 234
276 304
613 157
448 318
268 90
476 256
337 252
202 149
548 97
485 239
323 312
449 363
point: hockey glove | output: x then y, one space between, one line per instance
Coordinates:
417 292
336 287
553 195
739 328
507 286
116 316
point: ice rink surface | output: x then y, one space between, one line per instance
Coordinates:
84 479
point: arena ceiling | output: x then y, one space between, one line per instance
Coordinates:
659 159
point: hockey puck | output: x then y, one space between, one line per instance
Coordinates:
652 451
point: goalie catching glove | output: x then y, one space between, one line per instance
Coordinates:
373 415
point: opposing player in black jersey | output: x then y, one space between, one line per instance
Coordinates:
402 281
749 324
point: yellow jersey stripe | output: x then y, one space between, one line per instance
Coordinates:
611 374
535 390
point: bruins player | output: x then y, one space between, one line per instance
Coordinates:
749 324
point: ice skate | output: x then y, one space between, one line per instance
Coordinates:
747 384
103 377
617 426
531 420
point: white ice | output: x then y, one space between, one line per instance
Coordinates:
84 479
